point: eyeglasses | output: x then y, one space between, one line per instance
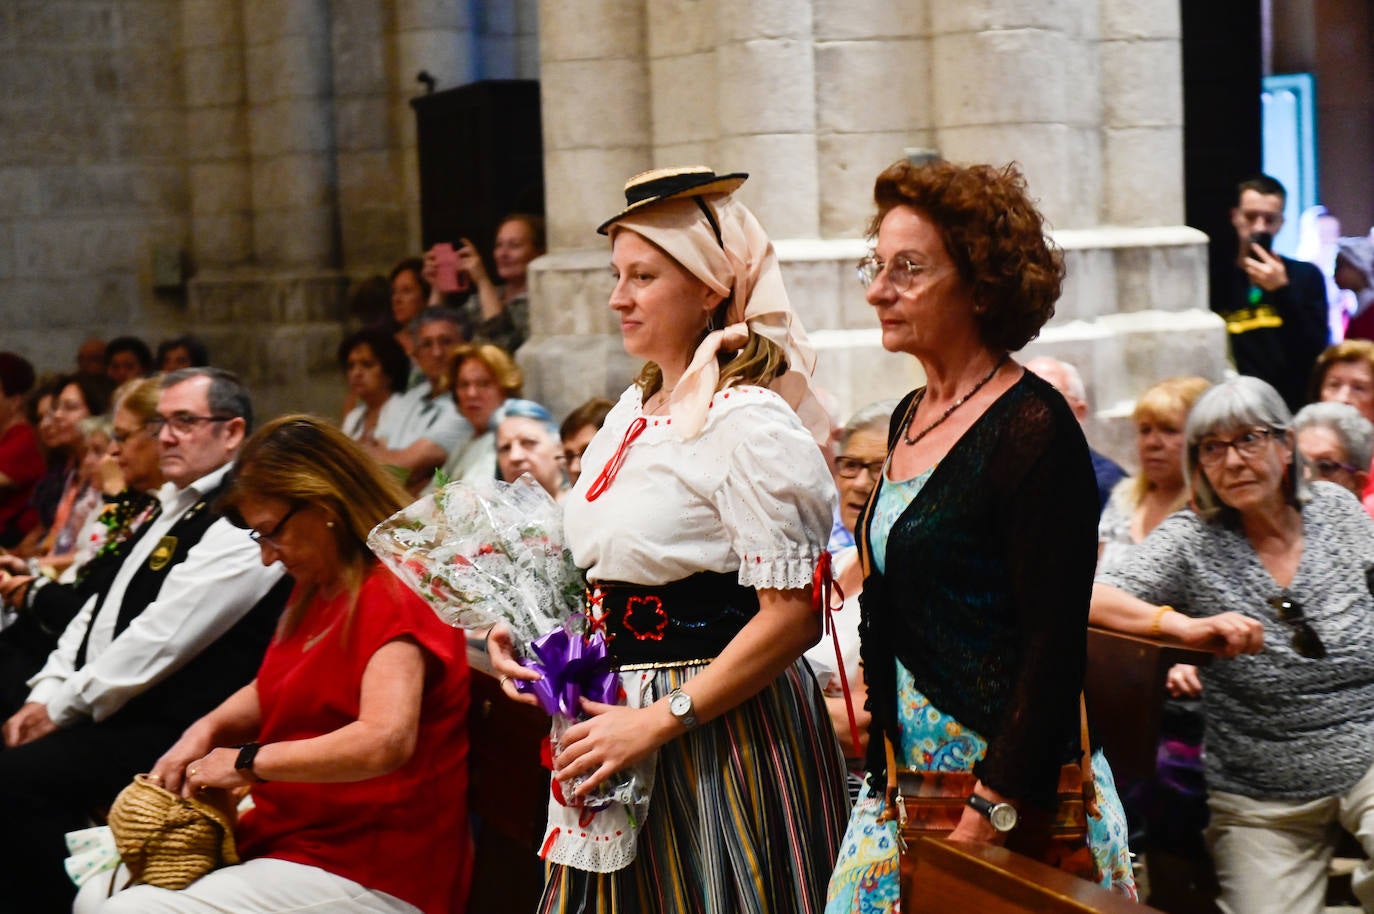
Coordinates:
1249 445
119 435
181 423
1305 640
270 537
901 271
850 467
1327 469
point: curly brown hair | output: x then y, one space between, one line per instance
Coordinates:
993 234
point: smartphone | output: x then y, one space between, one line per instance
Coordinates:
1264 240
448 277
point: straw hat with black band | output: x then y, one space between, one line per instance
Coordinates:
691 215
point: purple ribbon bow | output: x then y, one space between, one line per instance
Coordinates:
572 667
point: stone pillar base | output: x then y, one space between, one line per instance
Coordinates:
1134 311
279 332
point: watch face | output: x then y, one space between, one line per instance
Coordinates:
1003 816
680 704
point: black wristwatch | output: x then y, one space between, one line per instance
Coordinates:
248 752
1003 816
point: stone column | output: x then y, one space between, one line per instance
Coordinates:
873 101
1018 81
291 133
1142 112
766 107
374 217
220 176
594 86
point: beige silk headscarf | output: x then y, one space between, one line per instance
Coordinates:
746 267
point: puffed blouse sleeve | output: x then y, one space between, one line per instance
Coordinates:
777 499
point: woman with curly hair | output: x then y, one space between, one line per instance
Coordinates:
981 534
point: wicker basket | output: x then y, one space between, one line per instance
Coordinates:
167 840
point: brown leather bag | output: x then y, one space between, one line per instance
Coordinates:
929 804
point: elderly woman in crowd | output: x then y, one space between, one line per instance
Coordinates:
44 607
1354 272
21 461
577 431
352 737
1336 443
980 535
1344 373
377 370
858 467
701 515
1272 573
483 376
1139 504
527 442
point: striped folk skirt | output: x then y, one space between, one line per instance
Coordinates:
746 815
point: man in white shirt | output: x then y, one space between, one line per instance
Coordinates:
182 625
428 427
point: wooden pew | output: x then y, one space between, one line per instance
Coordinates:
1124 686
958 876
508 791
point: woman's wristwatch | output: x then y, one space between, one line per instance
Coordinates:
247 753
1003 816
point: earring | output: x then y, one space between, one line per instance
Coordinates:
329 524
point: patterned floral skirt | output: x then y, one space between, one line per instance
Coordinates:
866 878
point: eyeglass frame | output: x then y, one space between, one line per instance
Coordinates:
270 537
182 424
871 267
1290 613
874 467
1263 434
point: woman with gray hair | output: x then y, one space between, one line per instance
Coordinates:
1269 572
1337 443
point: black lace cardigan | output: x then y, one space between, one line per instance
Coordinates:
985 597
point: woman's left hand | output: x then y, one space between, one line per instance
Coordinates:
216 769
613 739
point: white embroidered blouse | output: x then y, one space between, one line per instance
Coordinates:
750 493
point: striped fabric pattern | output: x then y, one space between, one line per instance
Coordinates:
746 816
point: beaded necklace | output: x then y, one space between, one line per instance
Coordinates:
916 404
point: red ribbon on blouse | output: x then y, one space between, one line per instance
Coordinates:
824 591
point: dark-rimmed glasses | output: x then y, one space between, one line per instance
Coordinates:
901 271
849 467
182 423
1305 640
270 537
1248 444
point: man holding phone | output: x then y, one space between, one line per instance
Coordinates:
1274 307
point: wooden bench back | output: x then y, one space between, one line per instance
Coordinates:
508 791
955 876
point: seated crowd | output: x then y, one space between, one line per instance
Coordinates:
191 597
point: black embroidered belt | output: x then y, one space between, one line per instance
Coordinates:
677 623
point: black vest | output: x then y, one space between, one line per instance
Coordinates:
222 667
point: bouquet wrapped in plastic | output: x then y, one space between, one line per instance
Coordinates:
485 552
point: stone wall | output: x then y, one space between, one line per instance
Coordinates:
814 98
268 146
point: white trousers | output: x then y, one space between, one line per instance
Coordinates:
261 886
1272 855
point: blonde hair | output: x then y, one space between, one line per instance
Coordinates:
502 367
305 460
1170 398
1347 351
139 396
